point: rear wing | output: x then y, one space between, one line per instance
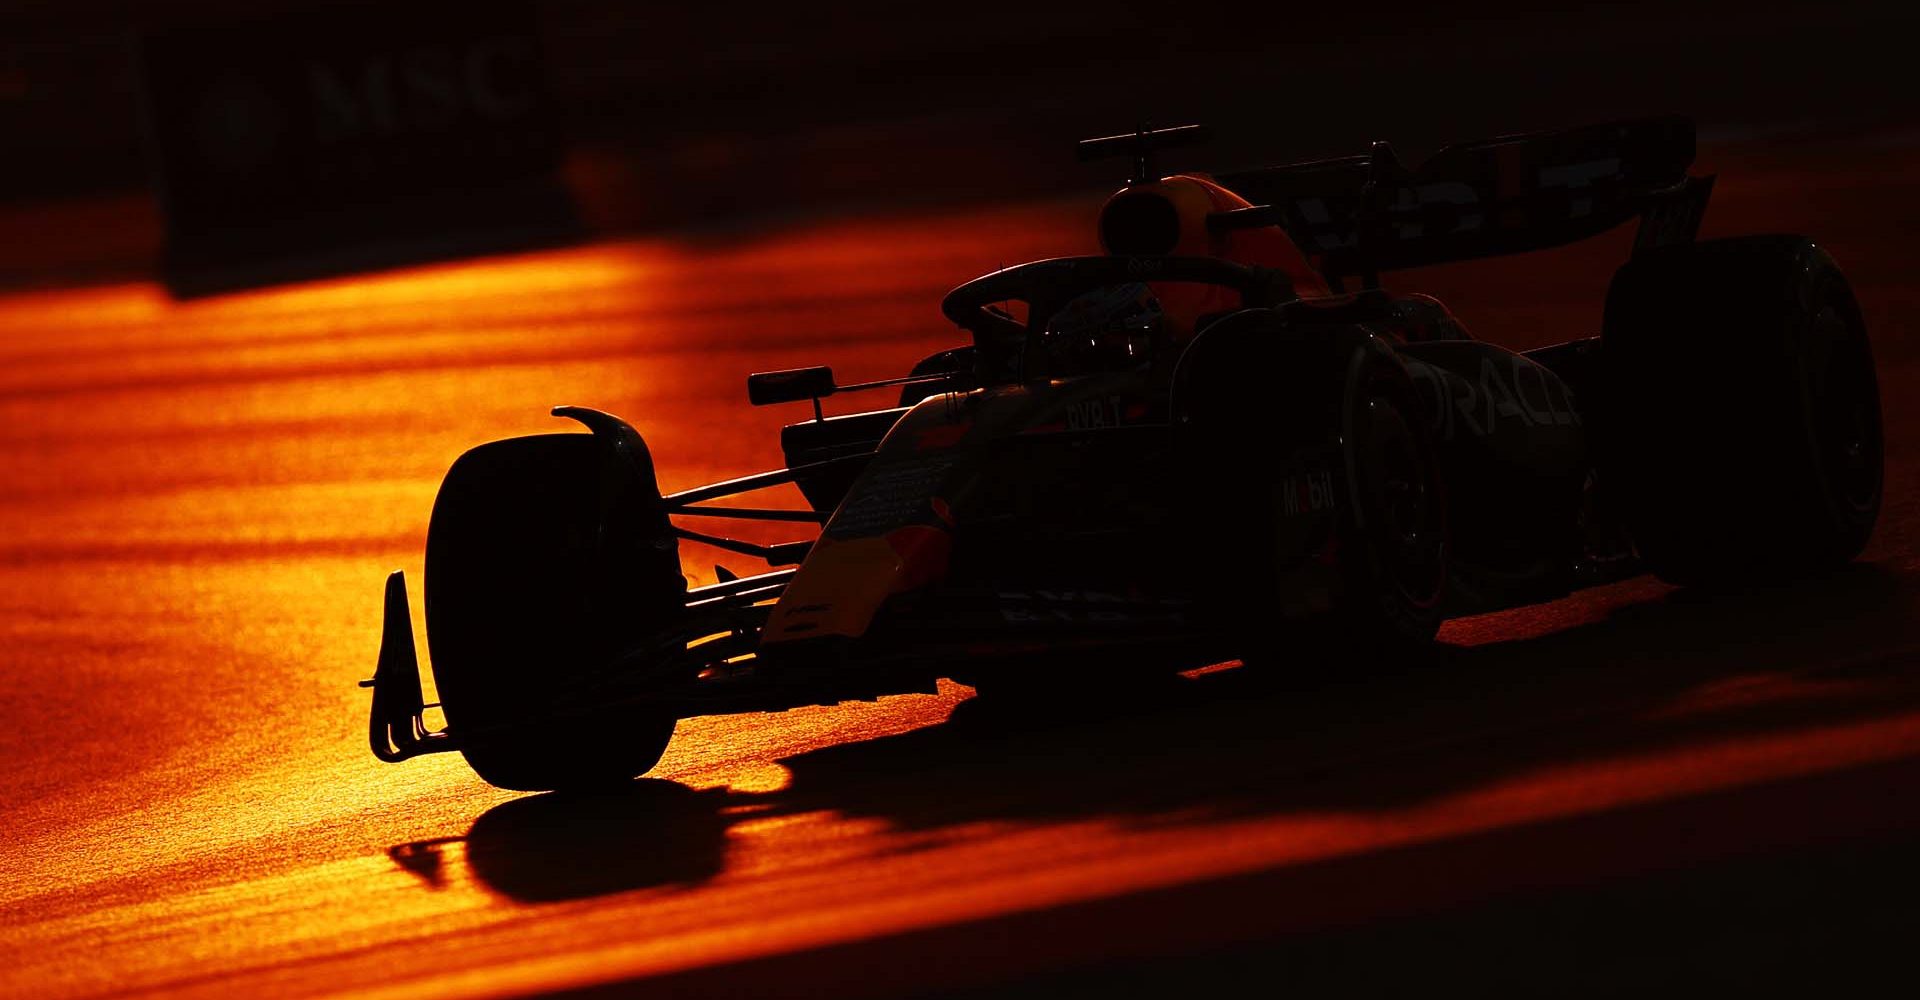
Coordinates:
1362 215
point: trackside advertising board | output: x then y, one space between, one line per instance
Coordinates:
357 136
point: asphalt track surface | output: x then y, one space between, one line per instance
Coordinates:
200 501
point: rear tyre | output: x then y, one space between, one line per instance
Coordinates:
1740 416
524 603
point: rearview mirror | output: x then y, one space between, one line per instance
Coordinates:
789 386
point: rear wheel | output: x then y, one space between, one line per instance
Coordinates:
525 603
1741 413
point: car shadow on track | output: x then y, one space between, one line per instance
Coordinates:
1681 668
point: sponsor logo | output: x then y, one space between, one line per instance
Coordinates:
292 136
1525 393
1094 414
1307 493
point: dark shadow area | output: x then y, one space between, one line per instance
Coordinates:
1684 668
1818 920
1651 898
473 222
1821 916
554 847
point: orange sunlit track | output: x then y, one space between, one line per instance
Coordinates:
200 500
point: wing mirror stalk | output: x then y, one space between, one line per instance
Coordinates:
794 384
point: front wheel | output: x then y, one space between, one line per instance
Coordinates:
525 603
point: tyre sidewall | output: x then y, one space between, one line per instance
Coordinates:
523 604
1709 415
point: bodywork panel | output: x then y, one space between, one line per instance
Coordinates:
1020 486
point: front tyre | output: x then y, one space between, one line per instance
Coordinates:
1740 415
524 604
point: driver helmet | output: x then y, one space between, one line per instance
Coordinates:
1115 328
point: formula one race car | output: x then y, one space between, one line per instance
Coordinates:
1221 440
